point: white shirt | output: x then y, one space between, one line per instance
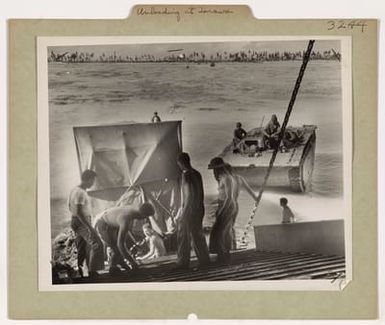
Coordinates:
78 196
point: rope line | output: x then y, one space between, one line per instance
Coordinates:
280 137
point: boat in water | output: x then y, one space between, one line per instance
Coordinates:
294 163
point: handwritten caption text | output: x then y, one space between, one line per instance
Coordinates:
178 14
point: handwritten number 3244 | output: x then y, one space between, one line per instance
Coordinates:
341 24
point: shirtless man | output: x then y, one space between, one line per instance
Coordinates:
114 226
155 243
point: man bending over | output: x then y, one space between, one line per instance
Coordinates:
115 227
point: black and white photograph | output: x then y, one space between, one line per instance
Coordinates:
194 163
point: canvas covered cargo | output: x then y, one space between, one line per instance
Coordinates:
134 163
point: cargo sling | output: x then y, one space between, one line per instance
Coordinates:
280 137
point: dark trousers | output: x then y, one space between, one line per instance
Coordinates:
83 250
88 245
110 236
190 229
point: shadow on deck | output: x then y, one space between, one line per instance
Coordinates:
245 265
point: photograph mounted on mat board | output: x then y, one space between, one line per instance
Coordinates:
209 162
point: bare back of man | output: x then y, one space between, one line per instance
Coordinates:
115 225
120 217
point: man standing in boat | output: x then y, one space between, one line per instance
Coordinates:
239 134
271 132
190 216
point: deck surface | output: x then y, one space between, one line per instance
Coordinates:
245 265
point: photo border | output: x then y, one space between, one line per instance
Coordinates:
357 301
44 219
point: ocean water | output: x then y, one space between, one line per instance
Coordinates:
209 101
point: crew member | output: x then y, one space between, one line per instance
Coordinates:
115 227
271 132
155 243
88 244
239 134
156 118
190 216
287 214
222 236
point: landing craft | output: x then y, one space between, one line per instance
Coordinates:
293 167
